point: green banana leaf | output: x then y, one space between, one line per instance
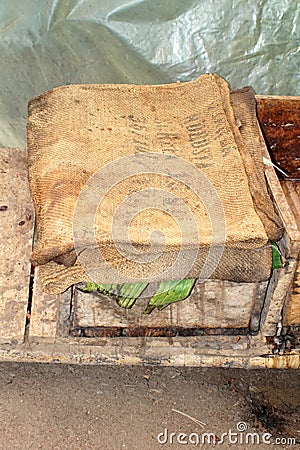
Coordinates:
126 294
276 256
169 292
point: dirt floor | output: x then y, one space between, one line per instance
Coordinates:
115 408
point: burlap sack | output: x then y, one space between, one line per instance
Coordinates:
74 131
249 143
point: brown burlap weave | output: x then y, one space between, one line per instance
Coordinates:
73 131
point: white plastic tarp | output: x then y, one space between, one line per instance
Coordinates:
49 43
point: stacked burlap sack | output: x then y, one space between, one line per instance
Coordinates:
77 131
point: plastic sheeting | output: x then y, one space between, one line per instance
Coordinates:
45 44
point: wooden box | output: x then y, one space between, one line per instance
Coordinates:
221 324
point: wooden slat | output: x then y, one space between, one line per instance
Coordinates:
49 313
280 121
278 292
221 351
291 190
213 304
280 285
16 225
292 234
291 315
209 351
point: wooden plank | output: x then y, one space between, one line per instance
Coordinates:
277 293
49 313
209 351
16 225
213 304
291 313
291 361
134 351
292 233
258 307
280 121
291 190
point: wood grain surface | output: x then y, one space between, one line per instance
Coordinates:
16 225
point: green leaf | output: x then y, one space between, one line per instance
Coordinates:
91 287
276 256
126 294
129 293
169 292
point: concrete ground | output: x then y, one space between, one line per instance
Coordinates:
114 408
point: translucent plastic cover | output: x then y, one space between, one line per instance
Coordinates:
49 43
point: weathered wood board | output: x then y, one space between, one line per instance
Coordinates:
279 291
280 121
291 190
291 313
292 231
49 313
212 305
16 225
